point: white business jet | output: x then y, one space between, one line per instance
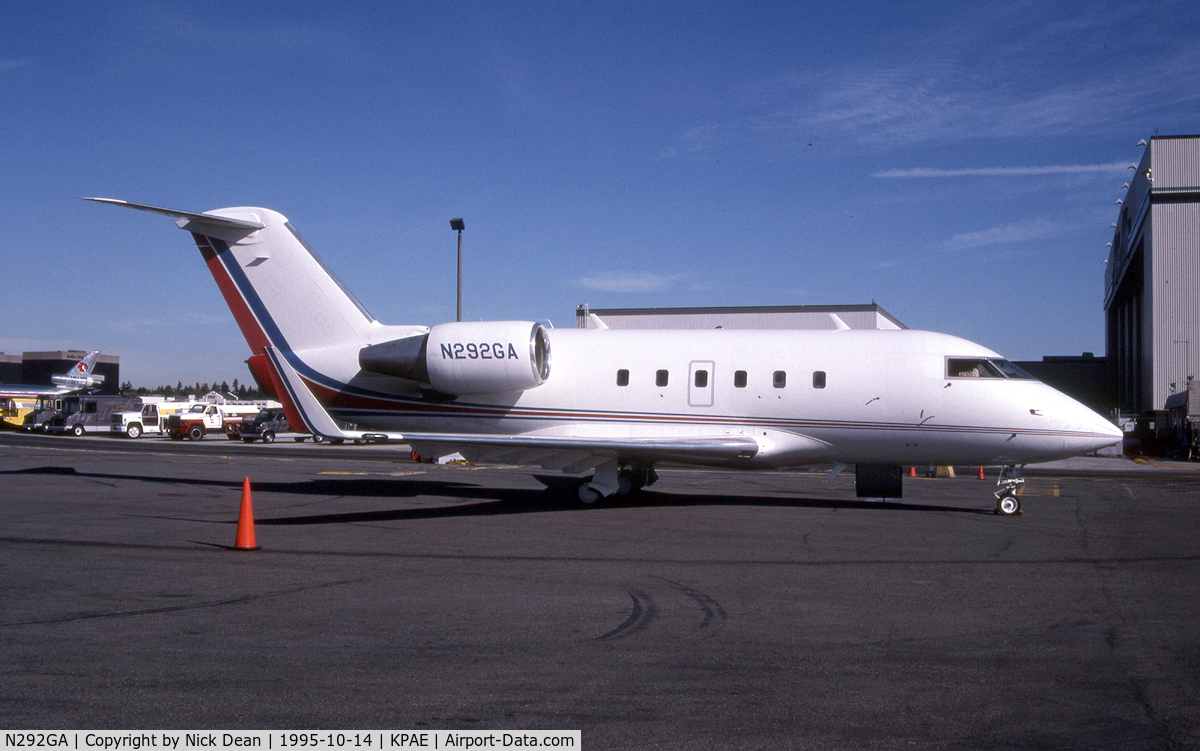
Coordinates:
617 402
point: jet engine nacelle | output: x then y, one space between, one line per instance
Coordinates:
467 357
77 382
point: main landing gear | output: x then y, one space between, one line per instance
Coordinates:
613 479
1007 503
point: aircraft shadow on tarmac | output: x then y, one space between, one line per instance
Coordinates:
557 494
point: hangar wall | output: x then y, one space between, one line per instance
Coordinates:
1152 279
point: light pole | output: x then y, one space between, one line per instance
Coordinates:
457 224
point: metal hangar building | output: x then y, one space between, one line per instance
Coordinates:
1152 279
808 317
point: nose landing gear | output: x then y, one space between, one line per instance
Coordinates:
1007 503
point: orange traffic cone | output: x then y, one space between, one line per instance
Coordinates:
245 528
981 477
912 471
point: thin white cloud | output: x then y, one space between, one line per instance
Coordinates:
1021 232
17 62
973 89
629 281
1054 169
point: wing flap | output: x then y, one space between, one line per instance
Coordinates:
524 447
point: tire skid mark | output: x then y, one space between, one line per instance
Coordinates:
641 614
201 605
713 611
644 611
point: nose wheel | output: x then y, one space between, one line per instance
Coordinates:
1007 503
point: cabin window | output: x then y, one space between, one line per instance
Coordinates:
779 380
622 377
701 379
818 379
739 379
660 378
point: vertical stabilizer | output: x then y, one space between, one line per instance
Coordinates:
280 292
81 375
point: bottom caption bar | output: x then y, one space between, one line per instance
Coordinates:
299 740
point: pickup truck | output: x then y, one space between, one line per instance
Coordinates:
265 427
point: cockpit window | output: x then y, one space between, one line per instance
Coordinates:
1010 370
962 367
983 367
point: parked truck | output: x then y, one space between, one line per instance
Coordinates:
151 419
266 426
37 419
203 418
89 414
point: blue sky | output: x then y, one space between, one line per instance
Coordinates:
958 163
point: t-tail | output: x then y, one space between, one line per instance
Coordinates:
281 293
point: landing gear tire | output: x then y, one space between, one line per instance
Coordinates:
1008 505
1010 480
587 494
626 483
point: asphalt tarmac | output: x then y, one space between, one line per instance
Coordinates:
713 610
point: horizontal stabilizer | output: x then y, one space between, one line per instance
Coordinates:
209 219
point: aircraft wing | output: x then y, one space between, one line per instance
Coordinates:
579 453
570 453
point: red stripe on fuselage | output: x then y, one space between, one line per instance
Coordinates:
246 321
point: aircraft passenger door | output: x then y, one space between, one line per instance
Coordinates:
700 383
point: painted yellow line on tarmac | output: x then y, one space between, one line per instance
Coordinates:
1054 491
368 474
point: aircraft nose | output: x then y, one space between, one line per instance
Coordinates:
1106 434
1091 430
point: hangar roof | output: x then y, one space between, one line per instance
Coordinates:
806 317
